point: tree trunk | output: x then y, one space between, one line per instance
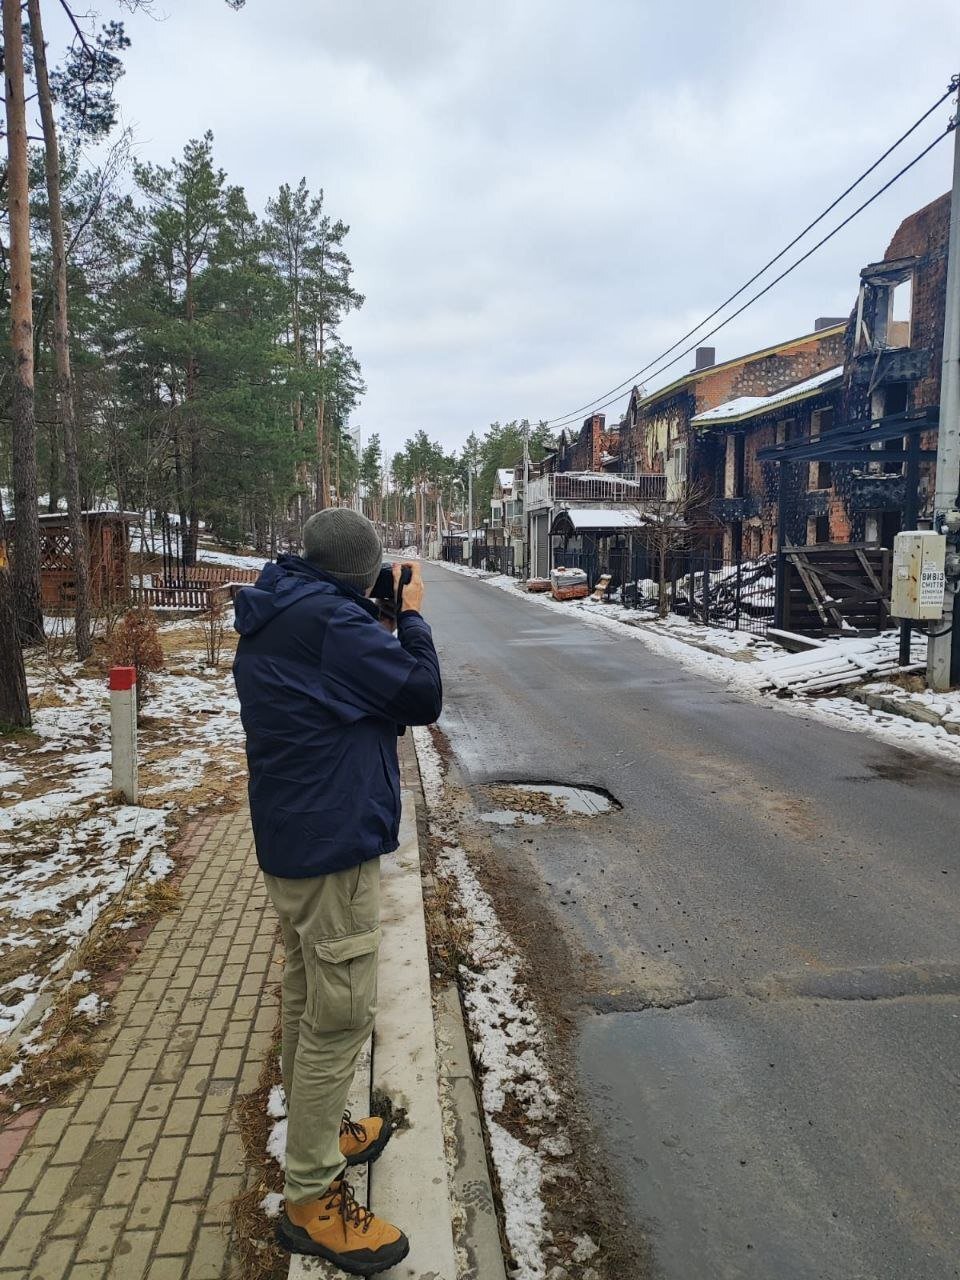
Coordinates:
323 488
663 603
14 704
53 469
61 343
181 499
26 564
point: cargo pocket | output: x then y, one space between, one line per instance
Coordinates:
345 981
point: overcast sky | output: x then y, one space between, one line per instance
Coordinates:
543 194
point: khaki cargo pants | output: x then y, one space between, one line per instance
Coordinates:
331 934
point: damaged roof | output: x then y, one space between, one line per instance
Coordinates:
752 406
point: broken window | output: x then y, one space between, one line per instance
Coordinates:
677 473
885 306
738 465
786 431
887 403
818 530
820 475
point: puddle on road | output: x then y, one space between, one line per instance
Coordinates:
533 803
510 818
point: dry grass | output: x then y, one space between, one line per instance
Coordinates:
71 1055
911 683
260 1257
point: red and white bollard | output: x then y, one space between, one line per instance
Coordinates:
123 731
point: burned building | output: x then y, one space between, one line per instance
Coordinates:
888 370
659 433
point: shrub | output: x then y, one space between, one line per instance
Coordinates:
135 642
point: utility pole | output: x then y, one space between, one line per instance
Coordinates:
945 639
470 511
526 481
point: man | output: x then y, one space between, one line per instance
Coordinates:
323 687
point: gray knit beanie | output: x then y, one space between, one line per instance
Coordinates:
344 544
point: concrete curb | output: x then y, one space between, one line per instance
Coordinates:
413 1060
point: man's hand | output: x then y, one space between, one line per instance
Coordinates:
412 597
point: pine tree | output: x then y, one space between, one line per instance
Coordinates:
26 564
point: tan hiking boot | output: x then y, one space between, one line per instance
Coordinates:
362 1141
339 1229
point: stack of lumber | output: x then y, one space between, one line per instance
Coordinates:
832 665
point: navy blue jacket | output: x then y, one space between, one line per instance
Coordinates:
323 688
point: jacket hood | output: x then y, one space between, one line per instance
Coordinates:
283 583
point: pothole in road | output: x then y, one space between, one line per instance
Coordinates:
534 803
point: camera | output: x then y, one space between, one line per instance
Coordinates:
383 589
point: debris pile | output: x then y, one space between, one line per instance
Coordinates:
569 584
833 664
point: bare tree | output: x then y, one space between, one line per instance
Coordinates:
61 339
670 527
26 563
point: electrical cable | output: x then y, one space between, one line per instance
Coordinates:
573 413
595 408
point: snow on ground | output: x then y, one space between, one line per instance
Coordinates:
234 562
67 849
737 659
508 1042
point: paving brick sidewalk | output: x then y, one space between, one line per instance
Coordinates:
130 1176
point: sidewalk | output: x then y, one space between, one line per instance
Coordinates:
131 1175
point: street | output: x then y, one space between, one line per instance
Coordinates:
766 937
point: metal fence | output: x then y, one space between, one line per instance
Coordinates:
494 558
738 595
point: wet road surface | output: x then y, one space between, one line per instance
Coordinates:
770 1035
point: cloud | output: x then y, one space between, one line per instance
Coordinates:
542 194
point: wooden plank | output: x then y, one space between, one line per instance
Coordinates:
868 570
814 591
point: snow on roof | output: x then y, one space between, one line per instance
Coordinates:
749 406
505 477
602 517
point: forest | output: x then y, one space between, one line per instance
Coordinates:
175 351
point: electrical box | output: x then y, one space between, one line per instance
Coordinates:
918 577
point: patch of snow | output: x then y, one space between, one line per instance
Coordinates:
272 1203
90 1005
234 562
277 1142
277 1103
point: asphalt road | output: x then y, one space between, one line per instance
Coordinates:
769 1038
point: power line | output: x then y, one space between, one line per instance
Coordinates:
564 418
820 243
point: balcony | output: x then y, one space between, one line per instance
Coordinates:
594 488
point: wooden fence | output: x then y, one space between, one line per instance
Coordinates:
834 589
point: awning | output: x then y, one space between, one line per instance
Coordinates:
604 520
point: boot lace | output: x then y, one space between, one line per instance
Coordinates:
351 1210
348 1125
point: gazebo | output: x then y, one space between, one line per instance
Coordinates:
108 541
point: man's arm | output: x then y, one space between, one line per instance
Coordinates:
368 671
420 701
